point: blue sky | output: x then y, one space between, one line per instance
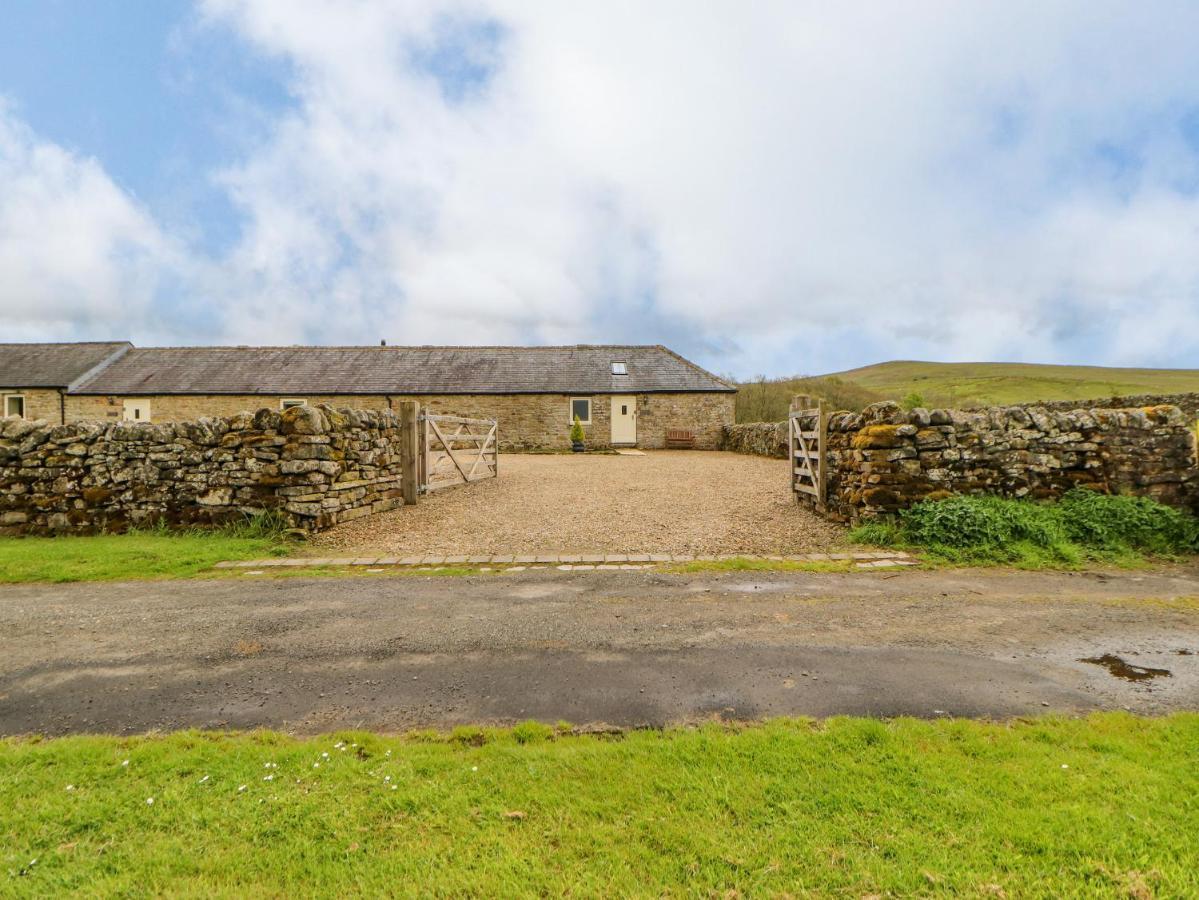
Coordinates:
794 188
158 99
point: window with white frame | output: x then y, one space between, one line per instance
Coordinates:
14 405
580 408
289 402
619 368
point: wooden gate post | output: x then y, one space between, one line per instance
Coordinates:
821 454
410 451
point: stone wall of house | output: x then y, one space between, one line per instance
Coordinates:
705 414
188 408
40 403
757 438
527 421
885 458
318 465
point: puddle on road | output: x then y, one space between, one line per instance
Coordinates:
1126 670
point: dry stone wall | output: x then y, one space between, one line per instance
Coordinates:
1188 403
317 465
757 438
885 458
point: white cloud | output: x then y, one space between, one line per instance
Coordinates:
929 172
776 186
76 253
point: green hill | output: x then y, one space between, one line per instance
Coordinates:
969 384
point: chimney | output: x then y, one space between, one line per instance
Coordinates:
383 343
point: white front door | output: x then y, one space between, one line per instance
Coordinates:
137 410
624 420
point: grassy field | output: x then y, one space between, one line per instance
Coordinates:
1104 806
141 555
958 384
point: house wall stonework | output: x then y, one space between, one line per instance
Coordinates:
526 421
318 466
40 403
187 408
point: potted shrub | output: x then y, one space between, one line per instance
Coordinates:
576 436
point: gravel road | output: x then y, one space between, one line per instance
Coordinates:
666 501
624 648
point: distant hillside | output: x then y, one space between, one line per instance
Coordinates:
958 384
767 400
968 384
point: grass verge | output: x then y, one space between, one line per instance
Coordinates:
136 555
1082 527
1102 806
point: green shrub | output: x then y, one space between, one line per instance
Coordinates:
1082 525
1104 522
576 432
985 523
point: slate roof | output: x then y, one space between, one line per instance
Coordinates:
399 370
53 365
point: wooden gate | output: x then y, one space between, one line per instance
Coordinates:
808 427
454 450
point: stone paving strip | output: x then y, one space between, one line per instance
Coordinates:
571 561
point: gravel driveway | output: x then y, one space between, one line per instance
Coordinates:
666 501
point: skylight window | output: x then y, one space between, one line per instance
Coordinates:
619 369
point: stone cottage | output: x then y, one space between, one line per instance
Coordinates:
35 378
624 395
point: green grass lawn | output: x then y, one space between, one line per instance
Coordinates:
951 384
1103 806
140 555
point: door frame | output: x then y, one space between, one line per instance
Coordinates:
612 418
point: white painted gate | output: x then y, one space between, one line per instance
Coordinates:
455 450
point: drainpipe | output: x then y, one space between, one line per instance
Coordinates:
62 406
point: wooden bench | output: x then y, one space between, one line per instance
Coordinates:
680 438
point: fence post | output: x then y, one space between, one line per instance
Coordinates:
409 451
821 454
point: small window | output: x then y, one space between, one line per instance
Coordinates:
289 402
620 369
580 408
14 405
